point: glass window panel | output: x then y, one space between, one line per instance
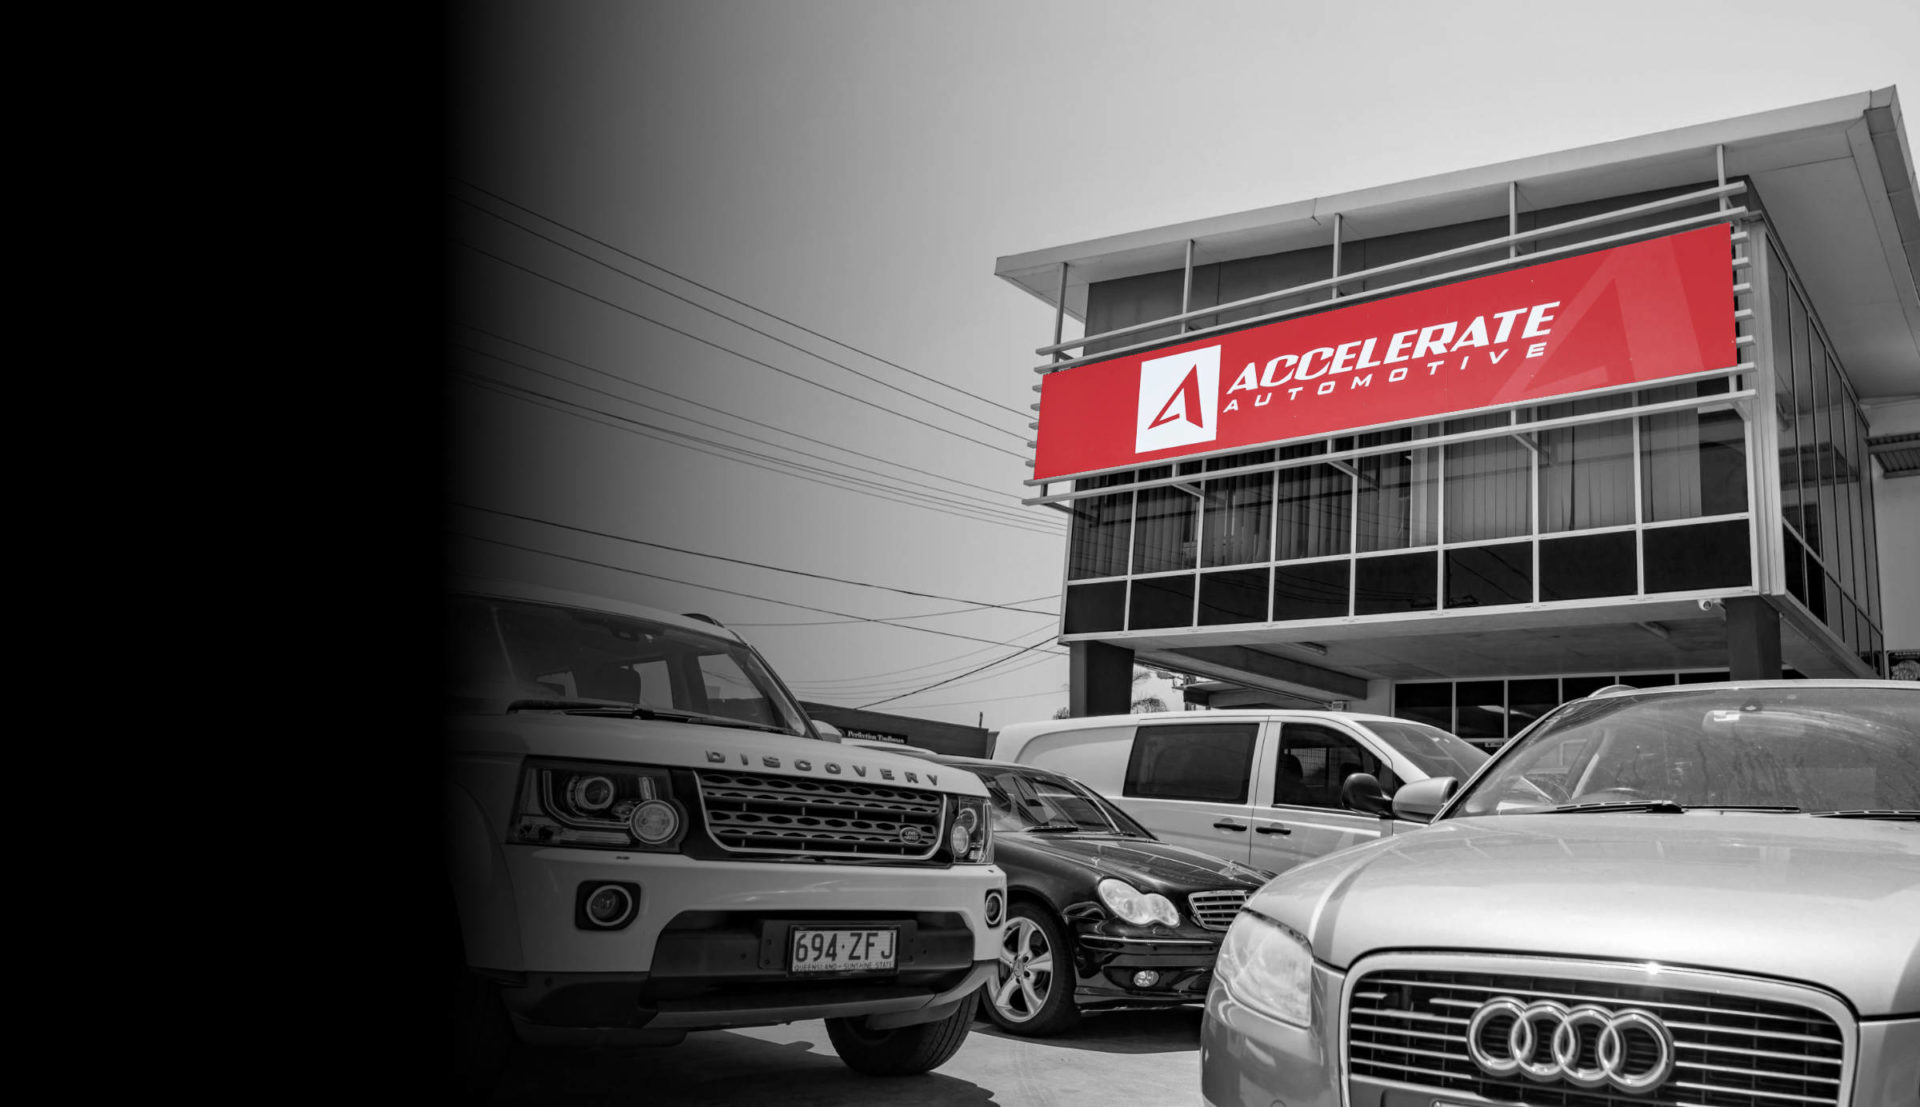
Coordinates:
1836 608
1586 474
1314 591
1481 710
1429 702
1795 558
1527 700
1489 484
1693 464
1587 566
1786 405
1239 524
1238 596
1101 527
1314 762
1487 576
1403 582
1192 761
1158 602
1163 530
1315 512
1399 496
1870 531
1820 458
1647 680
1710 555
1807 399
1096 607
1844 536
1713 676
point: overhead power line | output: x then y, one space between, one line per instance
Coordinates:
988 505
736 353
882 688
1023 415
856 485
713 408
714 588
970 672
750 564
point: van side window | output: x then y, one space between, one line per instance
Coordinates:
1316 760
1198 761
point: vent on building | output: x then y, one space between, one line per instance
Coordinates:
1899 454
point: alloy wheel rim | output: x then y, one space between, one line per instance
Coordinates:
1026 973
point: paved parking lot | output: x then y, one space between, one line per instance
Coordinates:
1123 1058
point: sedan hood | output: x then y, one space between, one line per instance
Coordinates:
1148 865
1831 902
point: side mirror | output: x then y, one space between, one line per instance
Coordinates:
1362 792
1420 801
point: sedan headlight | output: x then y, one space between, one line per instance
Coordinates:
1135 906
602 806
970 836
1268 967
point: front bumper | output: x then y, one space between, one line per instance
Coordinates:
1108 954
1250 1060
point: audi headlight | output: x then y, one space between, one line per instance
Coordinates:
970 835
599 806
1268 967
1136 906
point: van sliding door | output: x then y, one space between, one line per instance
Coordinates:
1191 784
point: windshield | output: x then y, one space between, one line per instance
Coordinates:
1433 750
543 656
1813 749
1024 799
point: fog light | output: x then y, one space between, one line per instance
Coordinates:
609 906
996 907
1145 978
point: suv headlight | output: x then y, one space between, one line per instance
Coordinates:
1268 967
599 806
1135 906
970 835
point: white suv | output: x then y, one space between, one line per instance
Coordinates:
646 836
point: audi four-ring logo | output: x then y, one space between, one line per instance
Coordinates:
1631 1049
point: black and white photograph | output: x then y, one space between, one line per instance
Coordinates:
1220 554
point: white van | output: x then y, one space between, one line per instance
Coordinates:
1265 788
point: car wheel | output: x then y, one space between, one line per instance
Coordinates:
903 1050
1033 992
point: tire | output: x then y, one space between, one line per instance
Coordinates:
1033 994
903 1050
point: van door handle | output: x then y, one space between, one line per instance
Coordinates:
1224 825
1274 829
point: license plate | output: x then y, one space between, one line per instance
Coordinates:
841 950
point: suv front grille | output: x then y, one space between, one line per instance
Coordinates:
759 813
1729 1050
1215 910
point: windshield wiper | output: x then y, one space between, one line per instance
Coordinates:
638 711
1053 828
1882 813
1662 806
564 705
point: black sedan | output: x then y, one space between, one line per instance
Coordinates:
1101 915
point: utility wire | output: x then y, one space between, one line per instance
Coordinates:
734 352
970 672
710 407
890 618
1012 513
1023 415
896 685
750 564
723 591
831 480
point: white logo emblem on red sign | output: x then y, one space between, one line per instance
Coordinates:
1179 400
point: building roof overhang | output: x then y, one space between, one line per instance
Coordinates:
1836 178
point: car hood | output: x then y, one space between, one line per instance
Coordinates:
1148 865
692 746
1832 902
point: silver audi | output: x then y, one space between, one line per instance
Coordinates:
1694 895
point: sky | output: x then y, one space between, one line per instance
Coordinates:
656 209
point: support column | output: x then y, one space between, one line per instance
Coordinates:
1753 639
1100 679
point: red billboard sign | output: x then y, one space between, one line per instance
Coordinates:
1642 312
